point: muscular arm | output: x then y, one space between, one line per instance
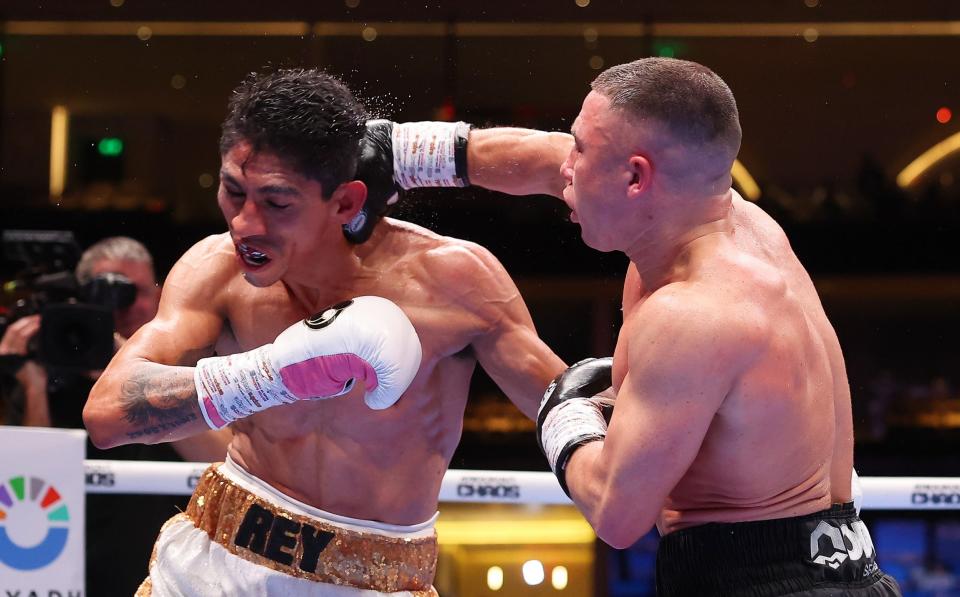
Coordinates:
156 403
145 395
508 347
684 355
518 161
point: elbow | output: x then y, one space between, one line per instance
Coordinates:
98 429
616 534
98 436
101 442
616 542
618 529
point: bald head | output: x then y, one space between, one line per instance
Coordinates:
683 99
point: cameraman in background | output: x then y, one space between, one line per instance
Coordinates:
123 259
120 529
24 399
128 258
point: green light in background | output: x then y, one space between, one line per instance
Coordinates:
110 146
668 48
1 50
667 52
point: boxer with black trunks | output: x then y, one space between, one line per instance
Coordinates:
335 497
724 415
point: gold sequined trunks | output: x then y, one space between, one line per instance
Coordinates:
258 531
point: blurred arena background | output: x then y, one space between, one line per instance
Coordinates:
109 120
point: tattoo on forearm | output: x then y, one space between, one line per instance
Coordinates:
156 404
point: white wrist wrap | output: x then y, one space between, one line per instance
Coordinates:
570 421
235 386
424 154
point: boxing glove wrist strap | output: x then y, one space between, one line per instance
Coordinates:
238 385
430 154
235 386
567 426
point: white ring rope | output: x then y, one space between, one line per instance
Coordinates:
499 487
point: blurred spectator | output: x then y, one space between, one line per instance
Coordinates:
883 393
120 529
940 389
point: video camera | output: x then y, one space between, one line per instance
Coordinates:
76 320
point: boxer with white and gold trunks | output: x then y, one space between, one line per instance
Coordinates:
326 497
262 542
724 415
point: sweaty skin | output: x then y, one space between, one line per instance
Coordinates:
336 454
757 426
732 397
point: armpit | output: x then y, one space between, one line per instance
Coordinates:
467 352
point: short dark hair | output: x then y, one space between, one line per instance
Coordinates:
303 115
688 98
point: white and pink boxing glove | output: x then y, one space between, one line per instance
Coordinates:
367 339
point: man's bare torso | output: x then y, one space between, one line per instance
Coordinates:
781 443
337 454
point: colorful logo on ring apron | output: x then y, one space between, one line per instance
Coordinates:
34 523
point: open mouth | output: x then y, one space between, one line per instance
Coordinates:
568 198
251 256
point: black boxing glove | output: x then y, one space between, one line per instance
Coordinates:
573 412
375 170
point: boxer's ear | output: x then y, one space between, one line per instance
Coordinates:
347 199
641 175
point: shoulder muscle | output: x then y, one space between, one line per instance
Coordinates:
684 331
473 277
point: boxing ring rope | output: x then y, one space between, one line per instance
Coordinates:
498 487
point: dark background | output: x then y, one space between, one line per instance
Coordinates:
836 98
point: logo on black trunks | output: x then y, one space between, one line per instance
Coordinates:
831 546
326 317
279 539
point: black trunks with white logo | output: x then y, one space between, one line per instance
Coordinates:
824 553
